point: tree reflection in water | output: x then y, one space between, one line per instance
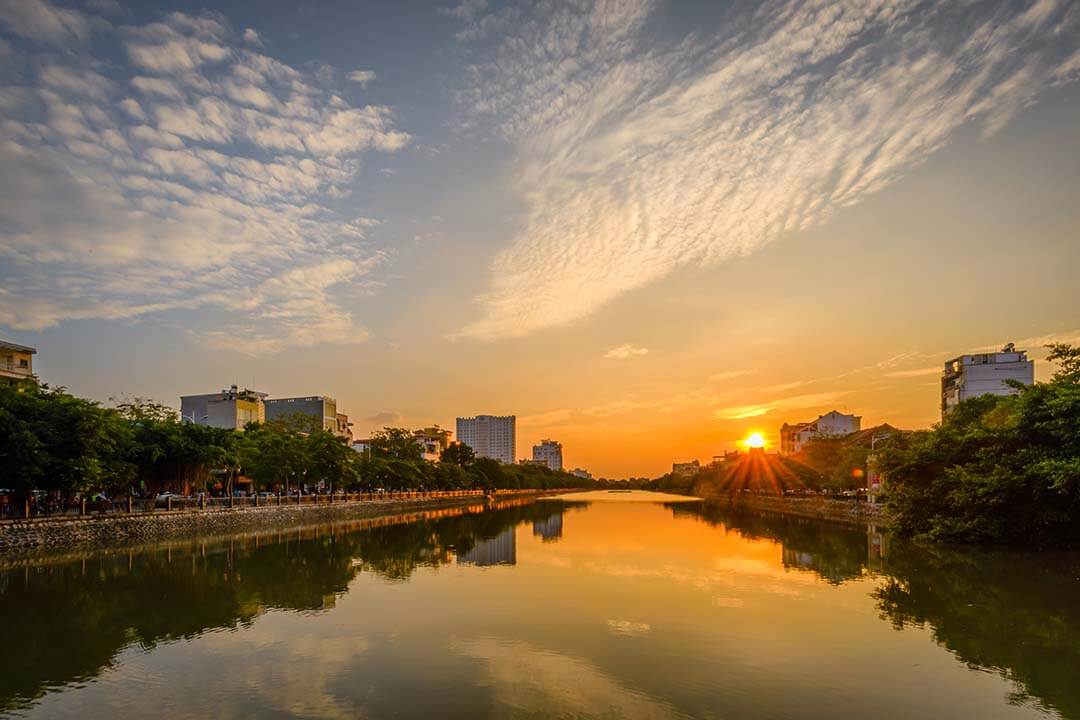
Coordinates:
65 622
1014 613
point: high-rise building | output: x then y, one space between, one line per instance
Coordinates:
232 408
830 425
548 452
490 436
970 376
499 550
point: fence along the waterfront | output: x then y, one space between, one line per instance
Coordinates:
41 508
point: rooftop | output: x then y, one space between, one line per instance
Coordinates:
5 345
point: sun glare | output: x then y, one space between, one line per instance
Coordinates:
755 440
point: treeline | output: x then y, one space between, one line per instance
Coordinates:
997 469
55 442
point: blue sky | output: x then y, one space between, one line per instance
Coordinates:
429 209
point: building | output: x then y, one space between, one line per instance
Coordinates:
231 409
686 468
362 446
490 436
581 473
16 362
793 438
432 440
320 408
549 529
499 550
970 376
344 427
549 452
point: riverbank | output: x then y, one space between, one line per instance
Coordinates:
118 530
844 512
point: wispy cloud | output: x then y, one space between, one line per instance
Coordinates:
731 374
635 160
361 77
625 352
199 175
796 402
386 417
915 372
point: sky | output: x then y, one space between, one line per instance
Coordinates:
646 228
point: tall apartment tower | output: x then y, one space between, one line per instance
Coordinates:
548 452
491 436
970 376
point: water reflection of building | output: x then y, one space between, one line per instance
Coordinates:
499 550
550 529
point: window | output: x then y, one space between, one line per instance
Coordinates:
24 363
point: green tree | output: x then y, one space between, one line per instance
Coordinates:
459 454
397 443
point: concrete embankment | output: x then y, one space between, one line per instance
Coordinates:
816 508
124 529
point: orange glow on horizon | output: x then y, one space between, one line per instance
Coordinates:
755 440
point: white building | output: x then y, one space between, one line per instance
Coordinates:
432 441
684 469
830 425
970 376
231 408
490 436
581 473
549 452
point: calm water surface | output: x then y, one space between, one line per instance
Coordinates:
600 607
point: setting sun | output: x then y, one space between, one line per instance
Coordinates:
755 440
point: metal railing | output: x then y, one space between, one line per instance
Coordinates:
39 507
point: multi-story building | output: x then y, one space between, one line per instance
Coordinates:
581 473
232 408
490 436
549 452
321 409
685 468
16 362
344 427
832 424
970 376
433 440
499 550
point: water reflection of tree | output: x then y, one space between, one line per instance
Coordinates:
66 622
1015 613
836 553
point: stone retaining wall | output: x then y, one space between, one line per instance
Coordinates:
122 529
841 511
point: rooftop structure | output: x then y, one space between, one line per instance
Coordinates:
16 362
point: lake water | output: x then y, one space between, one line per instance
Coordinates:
604 605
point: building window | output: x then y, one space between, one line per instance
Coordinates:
24 363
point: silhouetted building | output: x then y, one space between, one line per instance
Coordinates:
686 468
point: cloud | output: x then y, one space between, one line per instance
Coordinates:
635 158
796 402
625 352
40 21
251 37
915 372
362 77
200 177
731 374
386 417
467 10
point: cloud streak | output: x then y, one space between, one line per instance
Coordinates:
635 159
201 175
